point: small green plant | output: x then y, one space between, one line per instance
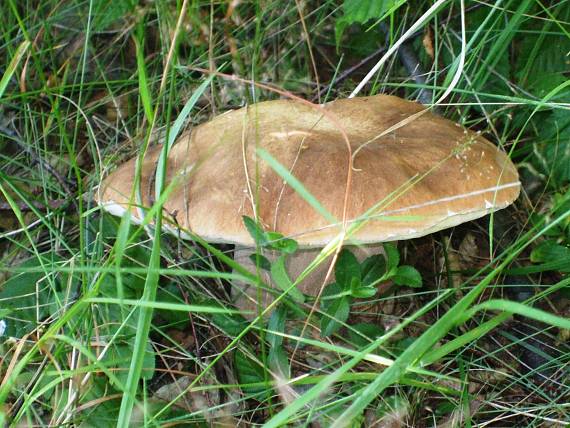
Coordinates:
362 12
554 252
356 280
559 232
276 242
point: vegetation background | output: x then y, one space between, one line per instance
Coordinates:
102 323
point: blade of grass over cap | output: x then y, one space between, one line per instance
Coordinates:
151 284
177 127
296 185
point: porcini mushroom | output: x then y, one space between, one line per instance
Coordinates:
423 173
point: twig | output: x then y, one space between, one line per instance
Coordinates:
346 73
309 48
413 67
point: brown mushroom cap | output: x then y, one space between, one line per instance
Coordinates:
424 176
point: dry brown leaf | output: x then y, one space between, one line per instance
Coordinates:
427 41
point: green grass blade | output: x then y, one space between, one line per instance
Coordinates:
501 45
143 328
412 355
177 126
482 329
139 270
296 185
151 283
472 335
11 69
163 305
519 309
143 81
305 400
181 119
120 248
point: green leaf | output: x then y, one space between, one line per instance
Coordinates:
251 372
560 204
362 11
336 315
106 412
231 324
373 270
552 151
255 230
273 240
392 257
171 293
278 242
347 270
402 344
261 261
548 251
407 275
445 408
276 324
280 277
368 333
136 255
364 292
119 355
335 311
279 362
332 291
27 298
539 65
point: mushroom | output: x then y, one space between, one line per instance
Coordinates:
413 173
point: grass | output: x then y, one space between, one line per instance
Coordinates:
103 322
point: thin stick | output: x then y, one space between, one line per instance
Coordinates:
307 37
